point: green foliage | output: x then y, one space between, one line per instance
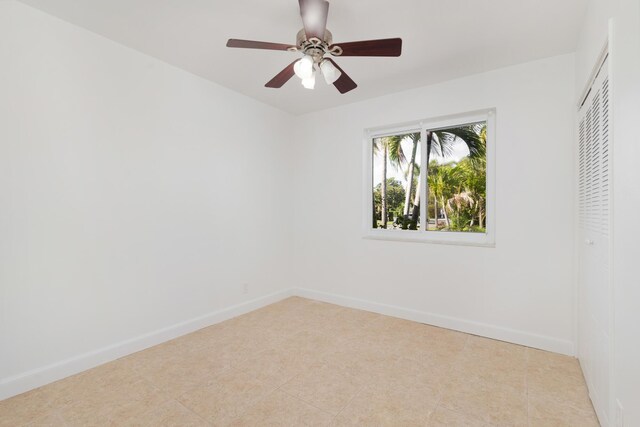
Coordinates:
395 197
473 135
460 188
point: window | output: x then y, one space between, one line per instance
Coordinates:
432 181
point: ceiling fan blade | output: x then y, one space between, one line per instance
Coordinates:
344 83
282 77
314 15
250 44
382 47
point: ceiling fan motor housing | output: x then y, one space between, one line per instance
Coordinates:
315 47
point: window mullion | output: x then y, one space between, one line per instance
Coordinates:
423 179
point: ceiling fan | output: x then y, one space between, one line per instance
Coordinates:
315 42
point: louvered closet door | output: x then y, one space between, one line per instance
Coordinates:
594 225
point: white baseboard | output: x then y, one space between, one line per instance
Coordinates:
38 377
463 325
26 381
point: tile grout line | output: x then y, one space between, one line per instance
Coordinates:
526 385
277 388
193 412
360 390
304 401
441 391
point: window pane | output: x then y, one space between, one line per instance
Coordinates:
457 178
396 177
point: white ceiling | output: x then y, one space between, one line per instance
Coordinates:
443 39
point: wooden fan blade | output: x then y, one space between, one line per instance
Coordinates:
314 15
344 83
382 47
282 77
250 44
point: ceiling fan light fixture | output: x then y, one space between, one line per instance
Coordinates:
310 82
304 67
329 71
315 41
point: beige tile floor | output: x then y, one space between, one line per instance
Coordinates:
300 362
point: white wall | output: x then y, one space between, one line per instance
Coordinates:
128 201
625 80
133 196
521 290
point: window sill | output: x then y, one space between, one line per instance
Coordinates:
484 240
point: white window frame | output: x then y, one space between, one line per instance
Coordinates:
486 239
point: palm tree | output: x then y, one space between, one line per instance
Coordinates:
473 135
458 204
474 176
400 159
392 153
439 142
438 180
474 168
380 144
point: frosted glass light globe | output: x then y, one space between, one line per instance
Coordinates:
329 71
304 67
310 82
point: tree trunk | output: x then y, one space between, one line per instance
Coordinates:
373 210
416 209
435 209
444 209
429 145
383 187
412 162
416 204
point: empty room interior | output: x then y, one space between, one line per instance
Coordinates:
319 213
